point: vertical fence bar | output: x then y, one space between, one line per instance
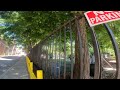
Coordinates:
38 55
47 48
71 57
42 58
116 49
64 52
97 72
55 59
52 61
59 54
46 60
40 61
51 56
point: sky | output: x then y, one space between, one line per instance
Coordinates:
2 24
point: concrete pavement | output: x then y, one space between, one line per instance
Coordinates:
13 67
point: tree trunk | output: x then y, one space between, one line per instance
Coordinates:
76 71
81 68
86 58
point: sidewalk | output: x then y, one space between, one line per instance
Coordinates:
17 71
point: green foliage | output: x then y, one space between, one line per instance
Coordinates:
30 27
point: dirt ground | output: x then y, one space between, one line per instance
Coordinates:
108 72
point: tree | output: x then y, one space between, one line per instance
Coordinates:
30 27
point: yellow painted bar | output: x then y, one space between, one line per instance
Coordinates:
39 74
28 63
31 66
32 76
30 70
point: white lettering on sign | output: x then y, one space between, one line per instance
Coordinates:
98 12
99 17
92 20
103 17
109 16
118 13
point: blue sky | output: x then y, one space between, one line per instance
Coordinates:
2 24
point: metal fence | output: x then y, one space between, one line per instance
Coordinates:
65 53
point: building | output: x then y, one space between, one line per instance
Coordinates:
2 47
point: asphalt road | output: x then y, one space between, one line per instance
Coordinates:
13 67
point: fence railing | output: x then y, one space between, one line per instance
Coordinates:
65 53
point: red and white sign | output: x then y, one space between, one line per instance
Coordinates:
99 17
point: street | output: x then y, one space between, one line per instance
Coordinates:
13 67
